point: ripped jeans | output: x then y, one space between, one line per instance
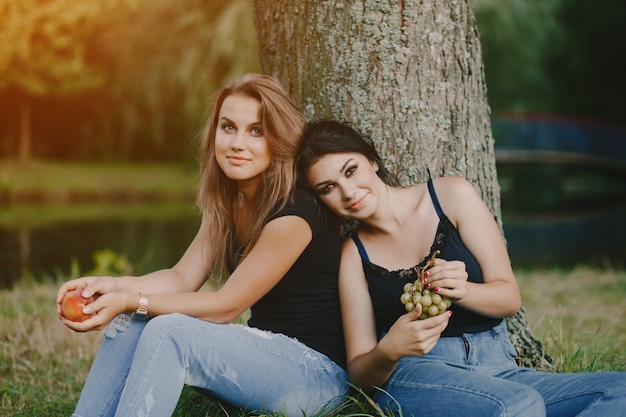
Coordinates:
141 368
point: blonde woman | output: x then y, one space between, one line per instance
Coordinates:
267 236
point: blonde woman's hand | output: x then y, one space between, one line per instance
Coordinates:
101 310
90 288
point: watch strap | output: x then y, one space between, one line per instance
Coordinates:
142 309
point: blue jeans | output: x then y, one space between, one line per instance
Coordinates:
141 368
475 375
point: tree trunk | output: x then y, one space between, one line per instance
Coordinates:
409 74
24 138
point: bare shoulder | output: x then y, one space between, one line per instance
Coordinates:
458 197
348 248
454 189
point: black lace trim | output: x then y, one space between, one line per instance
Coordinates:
409 273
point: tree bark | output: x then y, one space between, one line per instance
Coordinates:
407 73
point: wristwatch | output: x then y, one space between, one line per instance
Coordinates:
142 310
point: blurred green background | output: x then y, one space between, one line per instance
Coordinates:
128 80
104 98
100 103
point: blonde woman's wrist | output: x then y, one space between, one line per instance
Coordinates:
141 306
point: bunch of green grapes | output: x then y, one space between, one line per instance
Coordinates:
416 293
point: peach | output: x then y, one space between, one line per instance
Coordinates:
72 305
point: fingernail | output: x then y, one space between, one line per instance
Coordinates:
437 289
426 274
450 313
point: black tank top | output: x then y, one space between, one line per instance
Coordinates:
304 304
386 286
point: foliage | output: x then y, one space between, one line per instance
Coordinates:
559 56
164 59
43 53
130 79
586 66
43 45
155 62
107 262
516 36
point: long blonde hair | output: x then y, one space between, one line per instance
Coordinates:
282 124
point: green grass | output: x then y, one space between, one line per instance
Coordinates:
32 216
57 182
81 191
577 313
41 363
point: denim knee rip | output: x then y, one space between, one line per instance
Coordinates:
261 333
117 325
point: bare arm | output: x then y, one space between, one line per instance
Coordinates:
499 295
174 290
280 244
370 363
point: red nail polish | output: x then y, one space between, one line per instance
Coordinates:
437 289
426 274
450 313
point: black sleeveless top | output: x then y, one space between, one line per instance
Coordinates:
304 304
386 286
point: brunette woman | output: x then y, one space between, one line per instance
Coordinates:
458 362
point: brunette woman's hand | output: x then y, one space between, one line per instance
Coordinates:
447 278
412 337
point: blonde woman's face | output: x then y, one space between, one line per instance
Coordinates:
241 149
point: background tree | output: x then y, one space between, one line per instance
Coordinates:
517 39
43 53
586 63
409 74
117 79
157 61
164 58
555 56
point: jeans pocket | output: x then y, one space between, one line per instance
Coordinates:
507 347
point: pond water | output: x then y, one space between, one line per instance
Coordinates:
155 237
566 238
150 237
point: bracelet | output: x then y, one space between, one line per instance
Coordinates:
142 310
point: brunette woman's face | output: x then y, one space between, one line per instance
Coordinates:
346 182
241 149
